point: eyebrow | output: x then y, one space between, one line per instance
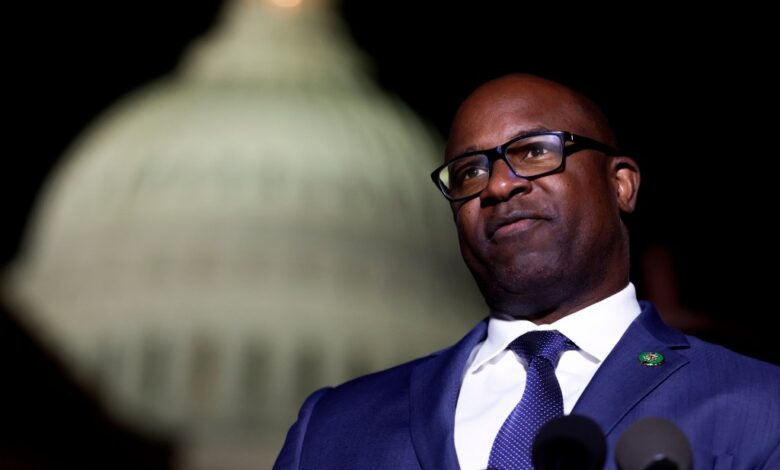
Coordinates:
520 133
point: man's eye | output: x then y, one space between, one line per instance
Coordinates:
537 151
465 171
472 172
530 151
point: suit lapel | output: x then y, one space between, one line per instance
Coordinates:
622 381
434 388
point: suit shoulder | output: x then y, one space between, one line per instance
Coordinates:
366 405
720 354
392 380
728 366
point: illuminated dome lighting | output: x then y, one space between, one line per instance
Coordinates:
287 3
226 239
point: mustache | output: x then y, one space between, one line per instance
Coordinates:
499 220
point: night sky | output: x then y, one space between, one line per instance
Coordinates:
685 92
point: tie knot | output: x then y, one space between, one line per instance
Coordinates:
548 344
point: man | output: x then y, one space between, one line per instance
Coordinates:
538 193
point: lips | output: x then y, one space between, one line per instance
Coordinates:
515 222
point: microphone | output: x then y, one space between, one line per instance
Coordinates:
570 442
653 444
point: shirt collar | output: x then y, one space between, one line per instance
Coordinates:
595 329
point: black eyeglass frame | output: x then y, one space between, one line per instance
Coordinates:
579 142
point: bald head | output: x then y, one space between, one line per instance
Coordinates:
534 99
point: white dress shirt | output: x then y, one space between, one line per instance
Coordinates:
494 378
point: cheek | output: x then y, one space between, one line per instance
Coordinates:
588 211
576 208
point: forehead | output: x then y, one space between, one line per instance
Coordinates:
499 111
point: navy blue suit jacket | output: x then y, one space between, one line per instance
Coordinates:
402 418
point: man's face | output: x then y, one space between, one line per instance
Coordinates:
536 246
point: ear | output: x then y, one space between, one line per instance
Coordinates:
626 178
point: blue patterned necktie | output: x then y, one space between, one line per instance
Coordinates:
541 399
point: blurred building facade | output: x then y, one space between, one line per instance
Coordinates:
254 226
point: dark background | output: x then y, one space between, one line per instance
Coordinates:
686 93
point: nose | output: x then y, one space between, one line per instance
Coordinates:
503 184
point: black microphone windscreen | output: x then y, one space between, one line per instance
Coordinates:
653 444
568 443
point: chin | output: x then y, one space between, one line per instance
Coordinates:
521 272
514 286
517 277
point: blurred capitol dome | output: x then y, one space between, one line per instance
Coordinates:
229 238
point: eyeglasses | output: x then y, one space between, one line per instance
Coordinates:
529 156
